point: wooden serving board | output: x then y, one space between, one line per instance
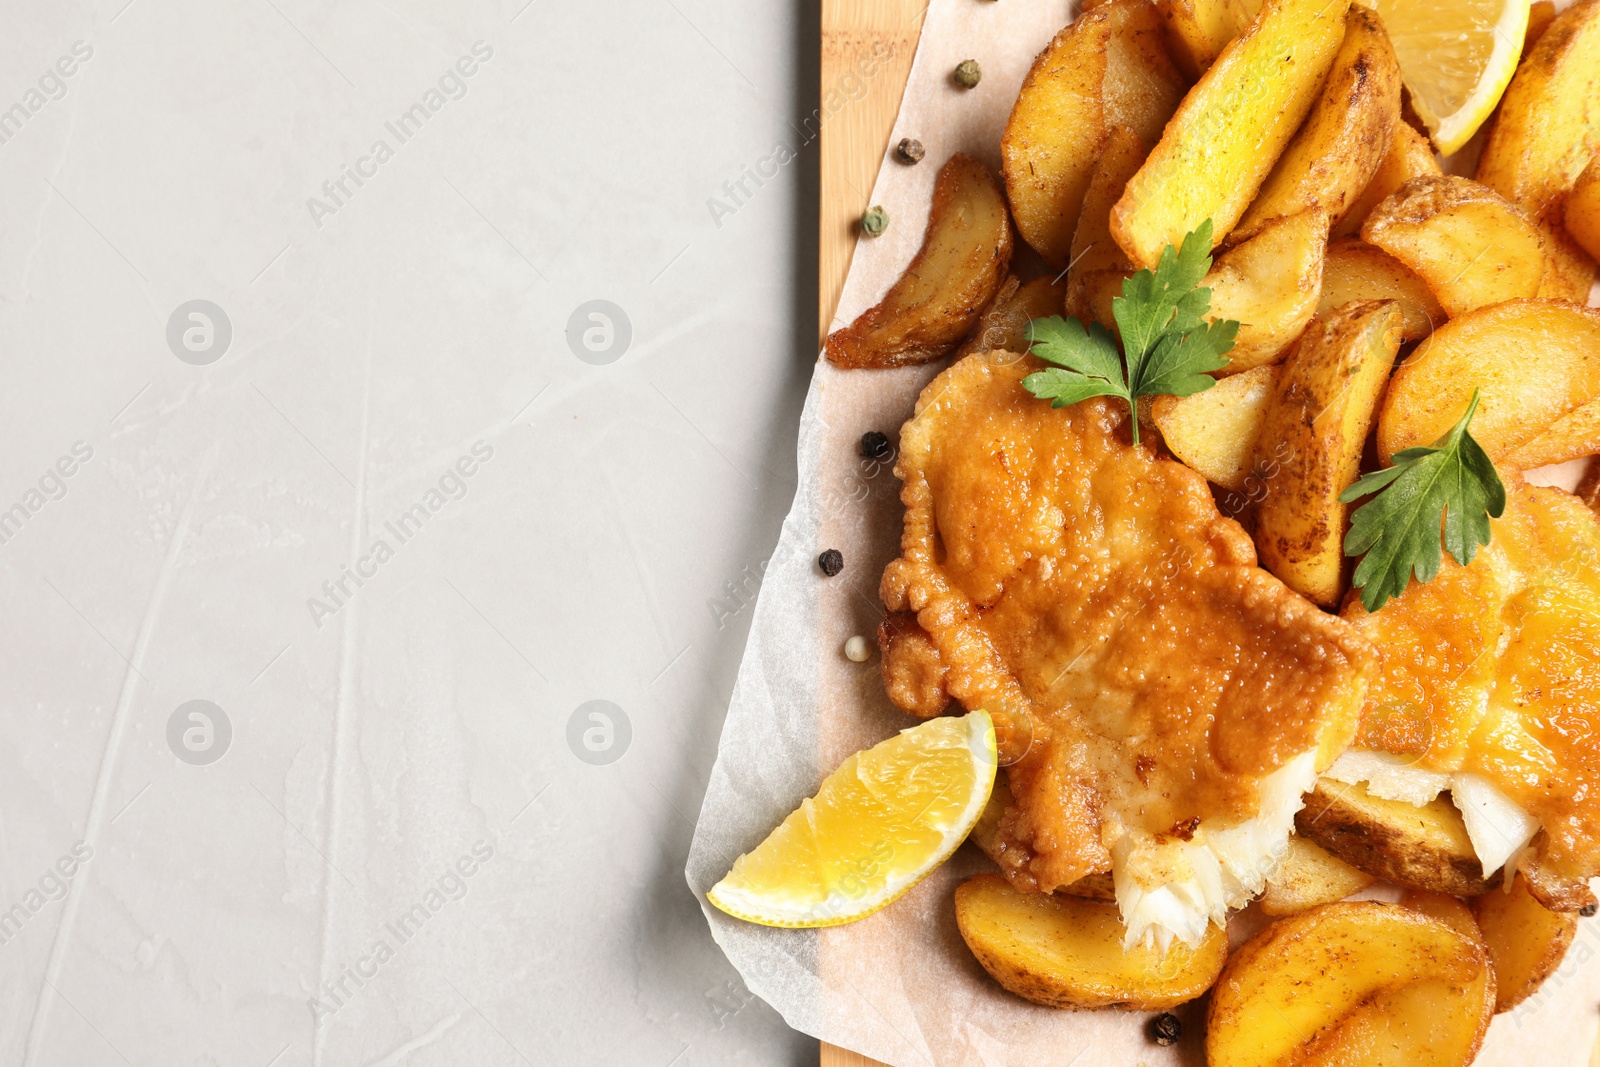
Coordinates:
853 143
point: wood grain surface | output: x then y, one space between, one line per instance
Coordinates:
853 142
854 139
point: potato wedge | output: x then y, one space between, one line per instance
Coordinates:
1582 213
1230 130
1322 410
1548 127
1540 14
1577 433
1309 876
986 835
1287 992
1198 30
965 253
1339 149
1535 361
1094 251
1004 325
1271 285
1544 135
1066 952
1107 69
1419 848
1469 244
1526 940
1215 431
1410 155
1355 270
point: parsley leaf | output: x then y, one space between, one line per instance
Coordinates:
1168 345
1451 484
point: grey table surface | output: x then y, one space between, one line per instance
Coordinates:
394 430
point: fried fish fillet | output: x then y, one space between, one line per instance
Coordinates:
1162 701
1489 686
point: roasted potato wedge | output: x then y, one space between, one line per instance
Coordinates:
986 835
1582 216
1287 993
1545 133
1004 325
1321 410
1198 30
1309 876
1339 149
1214 431
1541 13
1066 952
1526 940
1469 244
1107 69
1271 285
1230 130
1419 848
1355 270
1410 155
1095 253
965 253
1577 433
1534 361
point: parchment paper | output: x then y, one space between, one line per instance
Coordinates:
901 986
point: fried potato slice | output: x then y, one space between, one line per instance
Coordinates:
1230 130
1309 876
987 836
1574 434
1214 431
1066 952
1545 133
1322 409
1526 940
1355 270
1004 325
1306 974
1541 13
1198 30
1410 155
1095 255
1108 69
1469 244
1534 361
1271 285
1339 149
1582 215
1419 848
965 253
1431 1023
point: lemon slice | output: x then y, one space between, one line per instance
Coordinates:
879 824
1457 57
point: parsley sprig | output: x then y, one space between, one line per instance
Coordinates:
1451 483
1167 346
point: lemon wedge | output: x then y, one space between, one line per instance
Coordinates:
1457 57
878 826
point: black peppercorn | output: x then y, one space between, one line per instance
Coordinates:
909 151
831 562
1588 910
875 445
1165 1029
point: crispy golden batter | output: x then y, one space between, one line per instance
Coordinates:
1142 671
1494 669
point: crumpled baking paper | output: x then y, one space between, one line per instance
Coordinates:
901 986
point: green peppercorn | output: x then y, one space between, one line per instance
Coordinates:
968 74
875 221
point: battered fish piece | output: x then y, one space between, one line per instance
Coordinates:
1489 686
1162 702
